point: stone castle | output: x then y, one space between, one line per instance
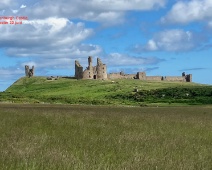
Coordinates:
100 72
91 72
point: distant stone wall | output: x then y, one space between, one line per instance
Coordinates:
142 76
130 76
114 76
174 78
121 75
154 78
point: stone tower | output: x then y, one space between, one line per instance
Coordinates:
29 72
78 70
90 67
141 75
183 74
101 70
26 71
188 78
89 73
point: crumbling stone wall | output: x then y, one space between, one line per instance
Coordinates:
174 78
29 72
142 76
115 76
121 75
154 78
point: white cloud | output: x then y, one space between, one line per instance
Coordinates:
48 37
11 72
4 4
174 40
123 5
15 11
55 63
2 12
117 59
49 43
106 18
107 12
74 51
55 24
104 11
210 24
23 6
189 11
170 40
8 76
151 45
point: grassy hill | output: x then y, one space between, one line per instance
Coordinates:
99 92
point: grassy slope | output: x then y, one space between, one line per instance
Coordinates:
64 90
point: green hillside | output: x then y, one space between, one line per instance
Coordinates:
99 92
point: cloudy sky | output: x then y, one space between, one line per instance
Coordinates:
161 37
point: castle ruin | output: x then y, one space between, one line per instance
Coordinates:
142 76
100 72
91 72
29 72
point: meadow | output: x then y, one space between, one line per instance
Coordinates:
105 137
106 92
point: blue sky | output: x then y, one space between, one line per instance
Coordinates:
160 37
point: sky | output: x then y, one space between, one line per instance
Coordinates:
161 37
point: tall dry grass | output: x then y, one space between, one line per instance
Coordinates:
83 137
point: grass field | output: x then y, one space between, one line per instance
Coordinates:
104 137
108 92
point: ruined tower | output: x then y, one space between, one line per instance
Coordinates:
90 63
91 72
29 72
26 71
78 70
101 70
141 75
183 74
188 78
88 72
